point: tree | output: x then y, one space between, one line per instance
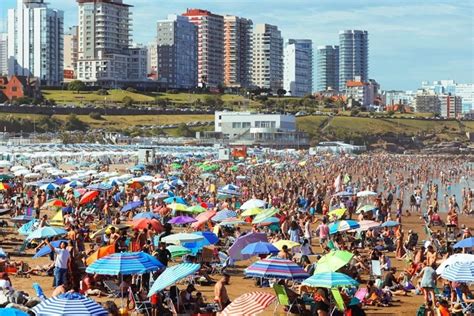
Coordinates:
95 115
184 131
281 92
127 102
214 101
102 92
73 123
76 85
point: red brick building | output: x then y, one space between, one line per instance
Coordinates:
17 87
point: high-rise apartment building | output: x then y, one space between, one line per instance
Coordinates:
104 44
427 102
353 56
210 46
464 90
3 54
451 106
35 42
267 70
298 67
70 53
327 68
152 60
237 51
176 53
137 63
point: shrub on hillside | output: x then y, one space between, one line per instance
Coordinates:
127 102
76 85
102 92
130 89
73 123
95 115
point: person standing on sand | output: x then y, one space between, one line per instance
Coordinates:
220 292
60 263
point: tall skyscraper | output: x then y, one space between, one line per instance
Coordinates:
177 53
237 51
298 67
35 42
327 68
70 53
267 70
210 30
104 44
3 54
353 56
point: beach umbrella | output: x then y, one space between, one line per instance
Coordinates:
131 206
46 232
390 224
264 215
157 196
228 192
235 251
46 249
457 257
135 184
196 209
4 186
100 253
342 226
230 187
125 263
366 208
366 225
3 254
5 177
177 207
56 203
333 261
177 183
259 248
252 303
145 223
61 181
75 184
276 268
337 213
88 197
343 193
22 218
49 187
366 193
329 280
269 221
12 312
203 218
27 228
175 199
176 166
209 239
116 226
290 244
181 238
69 304
209 236
224 214
178 251
182 220
253 203
172 275
231 221
251 212
460 272
147 215
465 243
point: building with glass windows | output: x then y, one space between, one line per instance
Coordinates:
353 56
298 67
327 68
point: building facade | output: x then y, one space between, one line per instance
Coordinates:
3 54
450 106
137 63
176 53
353 56
267 70
365 93
394 97
237 51
427 102
70 54
152 60
464 90
298 67
35 42
210 46
104 49
327 68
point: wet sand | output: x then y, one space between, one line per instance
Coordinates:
407 305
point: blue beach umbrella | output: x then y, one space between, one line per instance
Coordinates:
390 224
46 249
12 312
125 263
222 215
176 199
131 206
49 187
209 239
69 304
46 232
61 181
172 275
27 228
465 243
259 248
459 271
147 215
342 226
276 268
330 280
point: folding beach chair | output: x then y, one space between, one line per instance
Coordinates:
112 288
39 291
283 299
375 269
141 307
467 309
361 294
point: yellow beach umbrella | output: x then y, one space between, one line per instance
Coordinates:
290 244
337 213
251 212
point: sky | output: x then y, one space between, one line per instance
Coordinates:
409 40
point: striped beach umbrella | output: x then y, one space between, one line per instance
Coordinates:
459 272
224 214
181 238
457 257
264 215
251 212
88 197
172 275
125 263
69 304
253 203
342 226
276 268
252 303
329 280
366 225
46 232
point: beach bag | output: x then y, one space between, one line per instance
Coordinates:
421 311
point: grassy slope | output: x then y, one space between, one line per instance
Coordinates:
63 96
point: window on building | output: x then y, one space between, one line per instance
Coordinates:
236 125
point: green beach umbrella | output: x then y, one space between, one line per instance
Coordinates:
366 208
195 209
333 261
264 215
178 251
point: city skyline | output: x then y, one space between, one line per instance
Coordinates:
410 41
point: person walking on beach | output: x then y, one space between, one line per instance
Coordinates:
220 292
60 263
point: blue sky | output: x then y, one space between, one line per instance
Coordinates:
409 40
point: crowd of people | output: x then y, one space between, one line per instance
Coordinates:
304 189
